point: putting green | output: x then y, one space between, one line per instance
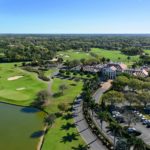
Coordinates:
29 81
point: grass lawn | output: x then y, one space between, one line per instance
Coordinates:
8 89
113 55
59 137
50 72
71 55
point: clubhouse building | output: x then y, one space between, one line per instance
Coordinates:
111 70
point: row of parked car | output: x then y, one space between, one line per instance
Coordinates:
120 119
118 116
142 118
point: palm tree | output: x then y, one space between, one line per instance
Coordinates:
138 144
103 105
103 116
49 120
92 106
116 129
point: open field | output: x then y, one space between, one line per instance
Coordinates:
113 55
63 135
18 86
74 55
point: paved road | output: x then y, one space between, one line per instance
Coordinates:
84 130
145 136
104 87
145 132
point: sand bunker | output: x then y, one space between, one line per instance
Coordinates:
61 54
67 56
20 89
14 78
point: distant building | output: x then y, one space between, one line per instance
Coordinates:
119 66
111 70
137 72
88 68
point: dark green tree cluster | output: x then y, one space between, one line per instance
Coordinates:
34 47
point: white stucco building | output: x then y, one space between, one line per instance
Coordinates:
112 69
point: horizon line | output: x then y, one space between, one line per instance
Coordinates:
77 33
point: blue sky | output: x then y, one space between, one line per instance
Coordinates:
74 16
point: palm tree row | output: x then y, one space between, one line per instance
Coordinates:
101 110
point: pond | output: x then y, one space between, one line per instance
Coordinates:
20 127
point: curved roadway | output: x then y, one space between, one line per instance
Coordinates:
80 122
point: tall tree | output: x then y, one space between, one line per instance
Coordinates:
131 98
116 129
113 97
144 98
49 120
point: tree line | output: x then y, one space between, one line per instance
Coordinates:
34 47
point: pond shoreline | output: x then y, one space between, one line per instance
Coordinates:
41 140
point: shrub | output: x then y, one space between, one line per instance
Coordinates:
63 106
43 77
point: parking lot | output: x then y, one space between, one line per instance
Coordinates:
142 125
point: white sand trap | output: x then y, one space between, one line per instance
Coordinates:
87 54
20 89
61 54
14 78
77 52
67 56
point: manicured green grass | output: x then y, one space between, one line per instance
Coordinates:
8 89
73 89
113 55
58 138
50 72
74 55
62 139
